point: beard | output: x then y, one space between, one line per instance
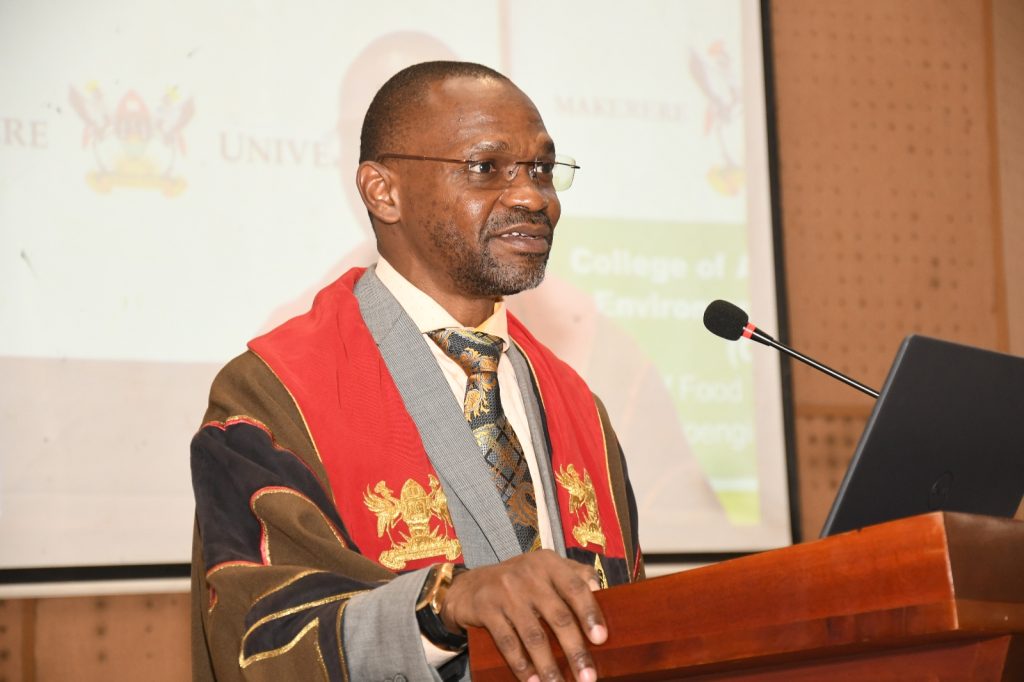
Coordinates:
475 269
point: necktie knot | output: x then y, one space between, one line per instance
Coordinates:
475 352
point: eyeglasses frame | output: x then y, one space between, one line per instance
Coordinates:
518 164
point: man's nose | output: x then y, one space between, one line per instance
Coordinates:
525 192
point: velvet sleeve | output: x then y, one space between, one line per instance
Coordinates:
277 581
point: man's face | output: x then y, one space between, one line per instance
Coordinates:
479 242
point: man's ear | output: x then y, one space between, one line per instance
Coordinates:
377 187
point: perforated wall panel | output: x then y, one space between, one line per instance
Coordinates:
890 197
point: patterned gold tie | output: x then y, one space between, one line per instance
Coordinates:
478 353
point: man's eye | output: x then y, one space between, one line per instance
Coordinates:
482 167
544 167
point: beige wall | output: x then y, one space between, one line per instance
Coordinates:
93 639
902 172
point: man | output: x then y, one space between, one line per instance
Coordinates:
405 460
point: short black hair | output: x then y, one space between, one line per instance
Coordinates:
387 119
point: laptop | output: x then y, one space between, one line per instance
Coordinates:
947 433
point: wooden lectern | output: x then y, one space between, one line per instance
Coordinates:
933 597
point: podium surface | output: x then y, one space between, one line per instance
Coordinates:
932 597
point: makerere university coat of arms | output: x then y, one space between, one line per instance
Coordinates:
415 506
582 503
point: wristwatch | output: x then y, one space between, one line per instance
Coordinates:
428 608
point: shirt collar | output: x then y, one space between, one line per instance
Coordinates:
427 314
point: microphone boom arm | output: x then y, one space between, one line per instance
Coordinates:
757 335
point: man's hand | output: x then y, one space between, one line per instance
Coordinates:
511 598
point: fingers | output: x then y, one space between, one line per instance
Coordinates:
514 598
565 625
574 613
535 641
509 643
576 591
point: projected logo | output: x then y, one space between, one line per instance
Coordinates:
712 71
133 144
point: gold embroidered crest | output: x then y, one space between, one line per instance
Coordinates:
582 503
415 507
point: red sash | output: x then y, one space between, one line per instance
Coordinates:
384 486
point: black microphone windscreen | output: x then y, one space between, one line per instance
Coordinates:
725 319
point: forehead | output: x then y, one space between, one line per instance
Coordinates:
461 114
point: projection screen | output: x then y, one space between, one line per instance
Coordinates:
177 178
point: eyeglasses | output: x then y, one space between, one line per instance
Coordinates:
497 171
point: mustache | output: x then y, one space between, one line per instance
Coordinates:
498 223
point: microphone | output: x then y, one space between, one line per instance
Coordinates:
730 322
